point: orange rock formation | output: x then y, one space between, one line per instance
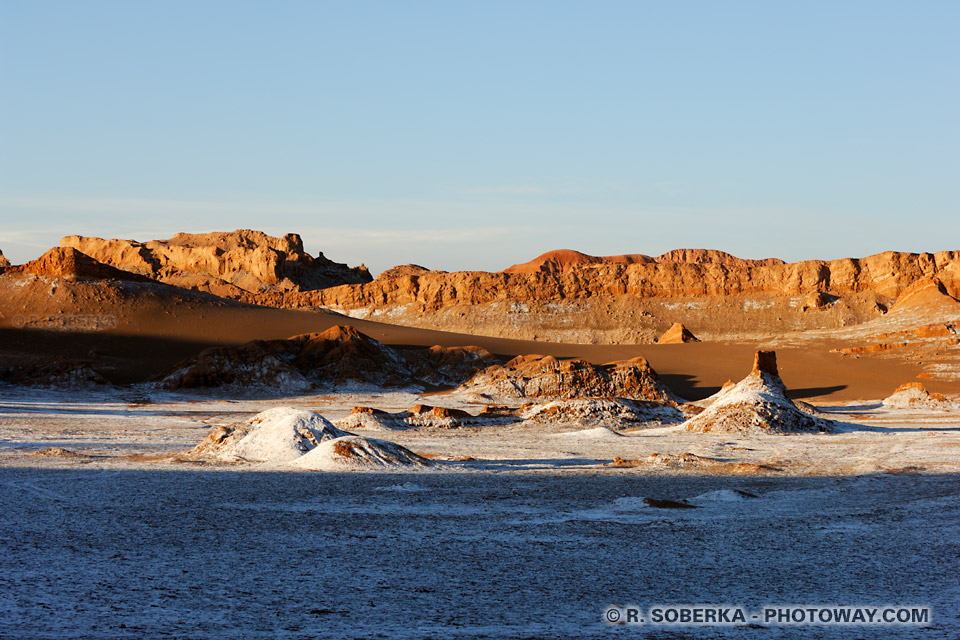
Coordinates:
677 334
223 263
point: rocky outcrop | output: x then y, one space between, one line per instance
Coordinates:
677 334
228 264
3 261
68 263
405 271
334 358
758 404
927 294
913 395
545 377
712 256
887 274
422 415
602 412
563 260
817 300
356 452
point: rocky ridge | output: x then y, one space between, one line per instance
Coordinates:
230 264
603 412
635 303
546 377
340 356
562 260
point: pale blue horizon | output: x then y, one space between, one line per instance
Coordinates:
477 135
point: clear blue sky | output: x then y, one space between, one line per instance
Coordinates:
472 135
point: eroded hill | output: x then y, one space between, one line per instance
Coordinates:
614 303
228 264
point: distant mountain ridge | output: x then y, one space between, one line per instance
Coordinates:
564 260
561 296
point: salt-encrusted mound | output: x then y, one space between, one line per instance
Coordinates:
338 356
422 415
757 404
536 376
596 433
706 402
281 434
358 452
602 412
372 419
913 395
809 409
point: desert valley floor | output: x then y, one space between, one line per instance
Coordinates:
513 531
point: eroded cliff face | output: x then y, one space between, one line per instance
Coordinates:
624 303
634 303
228 264
572 300
886 274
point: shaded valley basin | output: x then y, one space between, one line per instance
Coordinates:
256 554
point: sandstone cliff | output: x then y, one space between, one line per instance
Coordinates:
631 303
563 296
227 264
886 274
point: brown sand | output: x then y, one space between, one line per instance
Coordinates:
151 338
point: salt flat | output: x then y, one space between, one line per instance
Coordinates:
534 537
128 428
137 552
